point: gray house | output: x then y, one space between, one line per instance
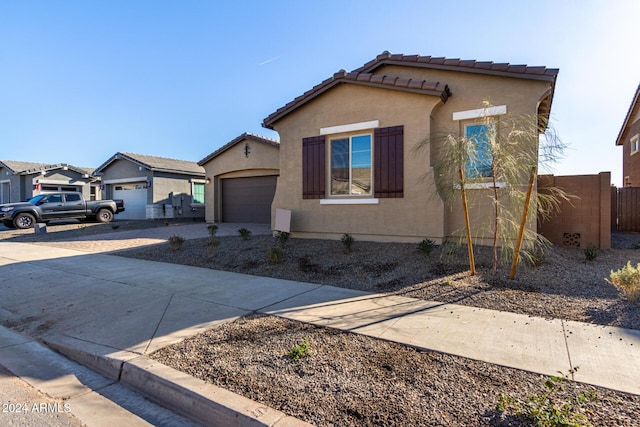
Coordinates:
22 180
154 187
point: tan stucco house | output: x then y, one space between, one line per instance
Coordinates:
20 181
154 187
629 139
241 179
348 158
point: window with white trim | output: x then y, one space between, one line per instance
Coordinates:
635 144
351 172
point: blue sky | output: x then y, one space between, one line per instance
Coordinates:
80 81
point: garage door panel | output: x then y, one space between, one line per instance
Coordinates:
248 199
135 200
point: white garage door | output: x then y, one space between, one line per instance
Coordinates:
135 200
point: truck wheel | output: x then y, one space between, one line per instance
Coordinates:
104 215
24 220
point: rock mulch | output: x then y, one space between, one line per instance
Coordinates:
564 285
348 379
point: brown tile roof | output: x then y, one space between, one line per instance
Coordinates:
246 135
365 75
634 104
457 64
159 164
360 78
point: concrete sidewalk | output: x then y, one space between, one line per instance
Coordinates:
118 309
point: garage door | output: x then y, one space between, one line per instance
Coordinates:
248 199
135 200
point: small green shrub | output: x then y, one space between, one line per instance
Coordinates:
213 229
627 279
176 241
347 240
636 245
166 223
274 255
426 246
282 237
591 253
244 233
548 409
302 349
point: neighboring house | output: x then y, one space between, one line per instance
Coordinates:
20 181
348 158
629 139
242 177
154 187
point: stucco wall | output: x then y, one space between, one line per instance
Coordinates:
123 169
586 220
14 184
420 213
59 177
175 190
415 216
631 162
263 160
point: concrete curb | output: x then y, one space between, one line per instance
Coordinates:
193 398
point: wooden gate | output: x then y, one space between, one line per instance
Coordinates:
628 209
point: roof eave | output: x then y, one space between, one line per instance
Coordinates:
465 66
634 103
236 140
268 123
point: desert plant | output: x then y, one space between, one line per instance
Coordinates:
213 229
536 257
627 279
548 408
497 155
244 233
176 241
274 255
591 253
347 240
282 237
212 247
426 246
299 350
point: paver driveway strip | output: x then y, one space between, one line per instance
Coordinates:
108 242
139 306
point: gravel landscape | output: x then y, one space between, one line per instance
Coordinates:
564 285
347 379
